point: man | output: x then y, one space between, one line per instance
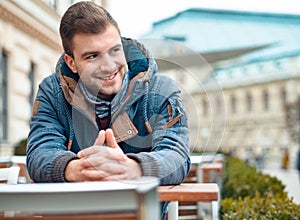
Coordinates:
105 114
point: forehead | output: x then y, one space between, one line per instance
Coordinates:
100 42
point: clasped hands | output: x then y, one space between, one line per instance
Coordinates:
104 160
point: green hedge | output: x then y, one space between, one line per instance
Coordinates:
20 147
249 194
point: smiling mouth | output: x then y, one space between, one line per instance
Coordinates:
110 77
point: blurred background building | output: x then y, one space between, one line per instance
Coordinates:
237 70
29 47
252 72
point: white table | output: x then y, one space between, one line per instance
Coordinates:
139 196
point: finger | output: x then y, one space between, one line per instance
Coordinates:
90 150
100 139
104 172
99 161
98 155
115 177
110 139
93 175
111 142
110 168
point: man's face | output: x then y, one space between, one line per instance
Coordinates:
100 62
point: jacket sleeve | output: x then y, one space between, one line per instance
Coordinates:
169 158
47 155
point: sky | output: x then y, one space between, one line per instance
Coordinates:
135 17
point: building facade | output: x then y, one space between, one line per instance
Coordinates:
252 109
29 47
237 75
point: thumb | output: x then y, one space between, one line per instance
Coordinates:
110 139
100 139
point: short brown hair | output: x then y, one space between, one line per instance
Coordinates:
83 17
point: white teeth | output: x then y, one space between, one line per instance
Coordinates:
108 78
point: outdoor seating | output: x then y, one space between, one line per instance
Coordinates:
19 161
10 175
5 162
188 192
184 199
206 168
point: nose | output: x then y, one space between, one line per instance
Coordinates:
107 63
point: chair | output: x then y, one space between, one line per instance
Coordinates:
21 162
206 168
10 174
190 192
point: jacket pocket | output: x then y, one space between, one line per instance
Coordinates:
174 113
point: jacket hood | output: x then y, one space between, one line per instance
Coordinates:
138 59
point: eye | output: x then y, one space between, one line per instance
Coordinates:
90 57
115 50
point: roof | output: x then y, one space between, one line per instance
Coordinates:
208 30
213 31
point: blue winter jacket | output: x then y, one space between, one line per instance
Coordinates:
149 122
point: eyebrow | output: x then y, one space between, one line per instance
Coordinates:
87 53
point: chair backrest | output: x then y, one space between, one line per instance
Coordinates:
10 174
21 162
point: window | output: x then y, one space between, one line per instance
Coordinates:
3 98
249 102
218 105
31 76
204 107
233 104
283 97
52 3
278 64
266 100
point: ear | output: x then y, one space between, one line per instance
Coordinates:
70 62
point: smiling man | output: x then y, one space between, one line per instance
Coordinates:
105 114
99 61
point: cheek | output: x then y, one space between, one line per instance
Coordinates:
86 70
124 67
121 60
